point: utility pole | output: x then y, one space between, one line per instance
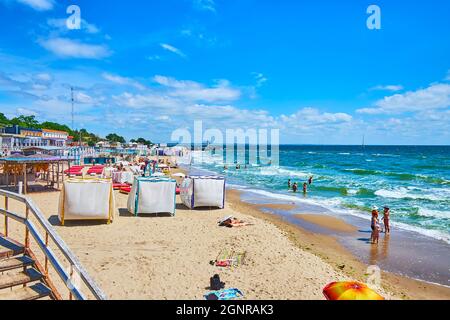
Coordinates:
71 93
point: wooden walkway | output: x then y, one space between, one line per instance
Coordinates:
19 275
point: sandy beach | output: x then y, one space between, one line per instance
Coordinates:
162 257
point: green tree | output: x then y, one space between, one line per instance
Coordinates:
143 141
112 137
26 121
4 121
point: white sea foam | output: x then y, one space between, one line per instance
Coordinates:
433 213
277 171
405 193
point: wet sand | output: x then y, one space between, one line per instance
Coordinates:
330 250
328 222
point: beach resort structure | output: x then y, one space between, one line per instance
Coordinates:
87 199
203 191
17 170
152 195
15 138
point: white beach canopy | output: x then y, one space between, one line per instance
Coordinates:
87 199
152 195
203 191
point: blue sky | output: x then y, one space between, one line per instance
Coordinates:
309 68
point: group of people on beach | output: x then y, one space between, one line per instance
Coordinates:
294 186
376 226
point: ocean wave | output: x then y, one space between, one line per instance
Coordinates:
404 193
276 171
385 155
424 212
400 175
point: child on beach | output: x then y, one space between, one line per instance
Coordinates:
386 213
375 226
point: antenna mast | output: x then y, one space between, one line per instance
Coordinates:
71 93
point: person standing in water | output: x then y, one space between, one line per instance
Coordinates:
386 214
294 187
374 225
310 180
289 184
305 188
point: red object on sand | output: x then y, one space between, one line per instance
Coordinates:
126 189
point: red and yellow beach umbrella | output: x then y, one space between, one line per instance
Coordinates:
350 290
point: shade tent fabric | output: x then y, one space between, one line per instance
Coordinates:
203 191
152 195
87 199
122 177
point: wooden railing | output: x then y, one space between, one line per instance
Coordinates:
43 243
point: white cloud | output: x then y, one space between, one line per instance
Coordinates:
259 78
172 49
194 91
308 117
68 48
123 80
83 98
154 57
26 112
39 5
387 88
60 25
140 101
436 96
208 5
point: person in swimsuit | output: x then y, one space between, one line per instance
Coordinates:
310 180
289 184
374 225
294 187
305 188
386 214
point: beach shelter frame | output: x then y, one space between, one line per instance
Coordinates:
111 209
188 191
135 191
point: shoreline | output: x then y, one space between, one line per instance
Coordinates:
341 259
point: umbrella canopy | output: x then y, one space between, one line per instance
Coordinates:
350 290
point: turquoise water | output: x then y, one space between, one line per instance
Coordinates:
414 181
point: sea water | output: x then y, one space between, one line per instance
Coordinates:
414 181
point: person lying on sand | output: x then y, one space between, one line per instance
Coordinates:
233 222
